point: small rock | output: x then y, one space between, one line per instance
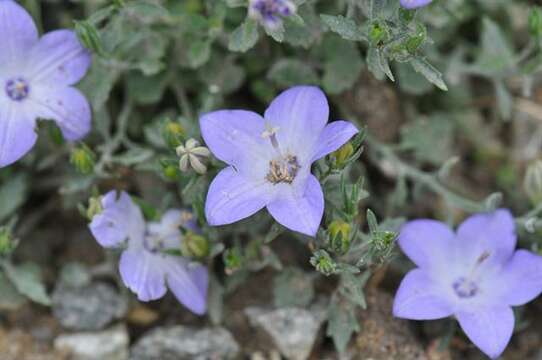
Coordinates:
293 330
110 344
186 343
88 308
383 337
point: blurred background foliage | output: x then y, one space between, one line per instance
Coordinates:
448 97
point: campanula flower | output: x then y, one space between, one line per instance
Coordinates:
270 159
36 78
145 265
270 12
414 4
473 274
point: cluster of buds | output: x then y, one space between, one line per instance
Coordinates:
323 263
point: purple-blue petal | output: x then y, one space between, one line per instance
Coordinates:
189 283
235 137
144 273
58 58
67 106
428 243
301 211
18 33
17 134
300 113
492 233
420 297
333 137
414 4
232 197
490 328
120 220
521 279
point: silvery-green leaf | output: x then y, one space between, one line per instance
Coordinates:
27 280
346 28
244 37
12 194
430 72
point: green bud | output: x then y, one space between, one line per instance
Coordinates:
323 263
194 246
89 37
83 159
233 260
381 244
416 40
378 33
94 207
339 234
532 183
7 242
173 133
343 154
171 172
535 22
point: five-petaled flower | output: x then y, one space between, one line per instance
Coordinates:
36 78
414 4
145 265
270 159
270 12
474 274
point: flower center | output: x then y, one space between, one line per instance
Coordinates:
154 243
17 89
465 288
283 169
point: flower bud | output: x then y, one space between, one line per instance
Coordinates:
416 40
83 159
323 263
378 33
532 182
7 242
339 233
171 172
94 207
173 133
191 156
89 37
233 260
343 154
194 246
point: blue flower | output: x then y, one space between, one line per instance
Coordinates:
270 159
473 274
145 265
36 81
